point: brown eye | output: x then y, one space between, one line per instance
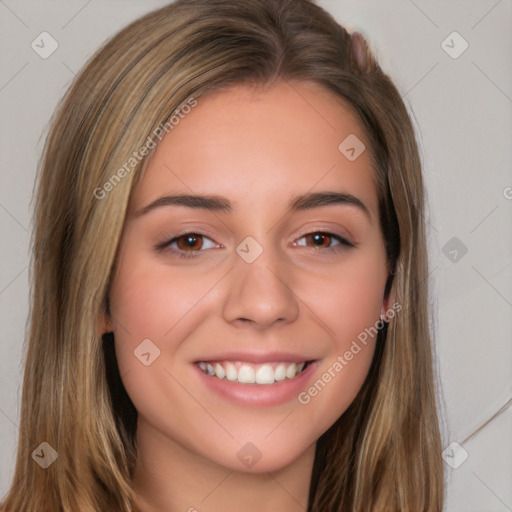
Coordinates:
190 241
320 240
323 240
186 245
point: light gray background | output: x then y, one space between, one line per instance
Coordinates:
462 107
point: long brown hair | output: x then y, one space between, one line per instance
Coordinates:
384 452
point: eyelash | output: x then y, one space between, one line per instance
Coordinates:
343 243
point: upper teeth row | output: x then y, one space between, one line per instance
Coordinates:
247 373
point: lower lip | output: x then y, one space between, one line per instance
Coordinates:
259 394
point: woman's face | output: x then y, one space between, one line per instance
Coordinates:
286 270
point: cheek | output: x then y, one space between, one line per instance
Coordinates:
349 304
148 302
155 304
349 299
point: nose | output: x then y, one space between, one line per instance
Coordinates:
261 293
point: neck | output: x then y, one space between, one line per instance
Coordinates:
169 477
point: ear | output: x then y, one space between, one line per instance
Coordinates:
103 323
359 50
389 296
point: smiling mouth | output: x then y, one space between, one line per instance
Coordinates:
248 373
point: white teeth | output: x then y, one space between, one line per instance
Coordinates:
290 371
219 371
231 372
265 374
280 372
247 373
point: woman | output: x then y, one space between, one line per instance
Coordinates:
193 344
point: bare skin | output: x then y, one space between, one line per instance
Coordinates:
306 295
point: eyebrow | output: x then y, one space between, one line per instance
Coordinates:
216 203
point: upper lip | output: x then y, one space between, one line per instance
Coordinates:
257 357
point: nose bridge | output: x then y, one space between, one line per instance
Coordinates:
260 289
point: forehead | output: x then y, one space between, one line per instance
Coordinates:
262 146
